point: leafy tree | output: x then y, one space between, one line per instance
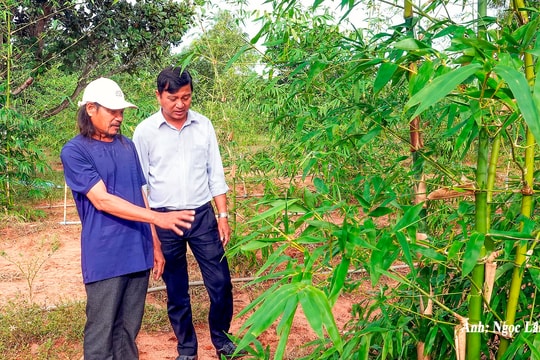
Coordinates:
76 41
223 65
92 38
211 56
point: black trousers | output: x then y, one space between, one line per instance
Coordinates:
114 312
204 242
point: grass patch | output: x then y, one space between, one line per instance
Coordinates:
31 332
155 319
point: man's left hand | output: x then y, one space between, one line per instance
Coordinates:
224 231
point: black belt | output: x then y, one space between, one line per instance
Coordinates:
200 208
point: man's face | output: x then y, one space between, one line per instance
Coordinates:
175 106
106 121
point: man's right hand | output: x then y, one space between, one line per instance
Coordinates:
174 220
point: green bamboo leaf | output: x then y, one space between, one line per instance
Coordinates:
186 60
380 211
472 252
277 207
275 258
259 244
311 162
300 68
384 74
321 224
428 253
522 93
536 88
420 79
440 87
284 327
319 313
309 198
288 315
527 33
535 346
365 345
312 312
269 311
535 276
366 138
320 186
454 250
510 235
430 339
504 268
256 302
238 54
388 349
469 132
382 258
410 217
411 44
308 239
447 332
338 279
516 347
314 69
402 239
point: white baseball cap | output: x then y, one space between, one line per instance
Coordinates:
106 93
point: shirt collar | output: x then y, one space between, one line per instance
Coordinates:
191 118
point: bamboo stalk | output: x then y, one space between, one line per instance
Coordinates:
474 339
526 202
477 277
522 248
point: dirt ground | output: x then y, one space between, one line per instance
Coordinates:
40 263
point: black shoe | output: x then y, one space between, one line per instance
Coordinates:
187 357
229 352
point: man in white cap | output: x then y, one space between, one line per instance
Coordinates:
119 245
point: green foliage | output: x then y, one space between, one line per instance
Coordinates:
340 116
20 159
86 39
224 87
50 50
94 33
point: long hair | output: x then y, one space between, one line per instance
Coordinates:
84 122
173 78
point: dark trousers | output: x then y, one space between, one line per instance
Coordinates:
204 242
114 311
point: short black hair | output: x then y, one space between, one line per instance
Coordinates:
173 78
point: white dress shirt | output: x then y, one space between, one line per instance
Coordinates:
183 167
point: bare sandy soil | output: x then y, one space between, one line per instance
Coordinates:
40 263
